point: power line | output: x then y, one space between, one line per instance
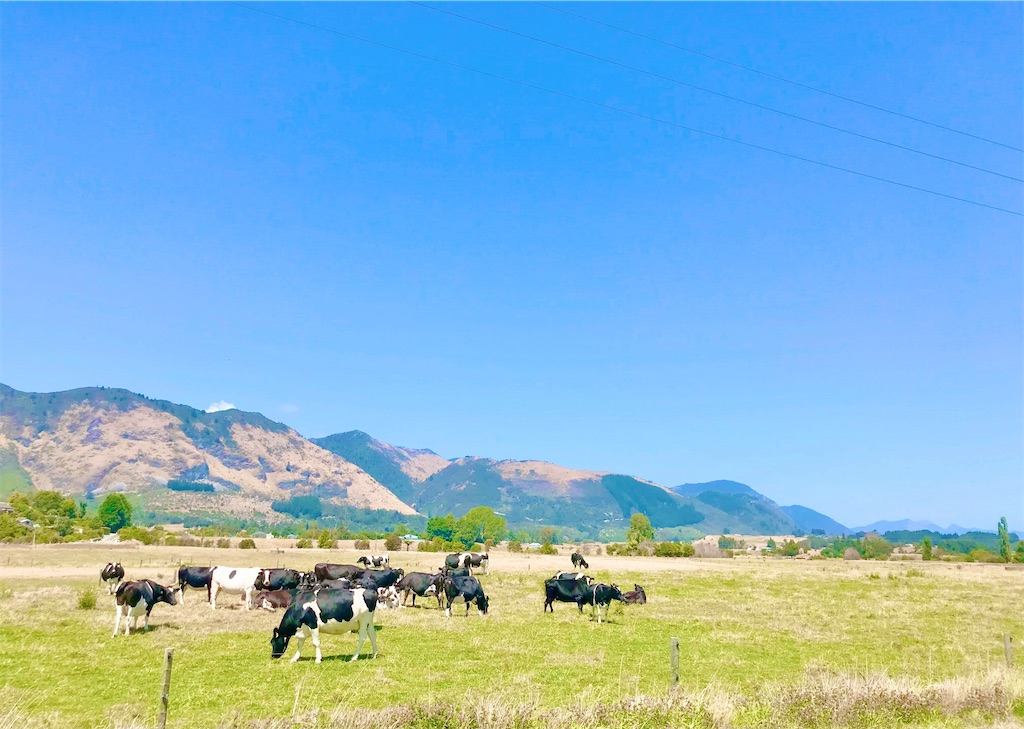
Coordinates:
776 77
620 110
709 91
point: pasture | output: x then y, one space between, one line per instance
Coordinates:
772 643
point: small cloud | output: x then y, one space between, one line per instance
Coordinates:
216 407
289 408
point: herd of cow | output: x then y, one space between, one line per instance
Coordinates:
340 598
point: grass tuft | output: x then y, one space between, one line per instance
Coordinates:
87 599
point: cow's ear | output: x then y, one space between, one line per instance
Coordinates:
276 632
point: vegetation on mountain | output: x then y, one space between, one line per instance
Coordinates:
357 447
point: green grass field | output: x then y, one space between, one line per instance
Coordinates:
763 643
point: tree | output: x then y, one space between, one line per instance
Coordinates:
1018 555
547 535
441 526
771 545
325 539
478 525
115 512
393 543
926 549
1004 539
640 530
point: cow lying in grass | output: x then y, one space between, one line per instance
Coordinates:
136 598
635 596
330 611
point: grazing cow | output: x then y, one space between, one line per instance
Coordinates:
330 611
376 579
581 593
387 597
138 597
325 571
195 577
374 560
573 576
278 579
635 597
112 574
467 590
467 560
447 571
578 561
420 584
234 581
273 599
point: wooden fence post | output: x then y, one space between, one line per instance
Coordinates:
1008 649
165 691
674 657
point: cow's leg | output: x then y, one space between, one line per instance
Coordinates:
359 643
248 598
467 608
117 620
448 610
213 596
372 630
315 632
146 624
300 637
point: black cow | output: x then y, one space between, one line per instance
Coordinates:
574 576
453 561
112 574
279 579
376 579
196 578
137 597
467 590
324 571
477 560
580 592
273 599
447 571
330 611
420 584
578 561
635 597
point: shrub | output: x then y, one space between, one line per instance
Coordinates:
515 546
547 548
223 543
668 549
688 549
362 544
139 534
303 544
475 547
87 599
393 543
489 544
326 540
247 543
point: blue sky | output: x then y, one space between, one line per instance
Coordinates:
204 203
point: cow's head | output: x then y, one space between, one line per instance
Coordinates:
278 644
363 561
615 593
168 594
482 603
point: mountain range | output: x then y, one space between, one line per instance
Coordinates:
177 460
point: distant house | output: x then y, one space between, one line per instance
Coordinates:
262 535
6 508
411 538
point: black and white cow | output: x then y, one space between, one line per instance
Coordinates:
279 579
467 590
467 560
387 597
374 560
578 561
573 576
113 575
636 596
342 583
326 571
330 611
580 592
234 581
194 577
376 579
138 597
420 584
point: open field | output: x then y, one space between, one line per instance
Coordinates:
773 643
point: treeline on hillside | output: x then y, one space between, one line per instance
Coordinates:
46 517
